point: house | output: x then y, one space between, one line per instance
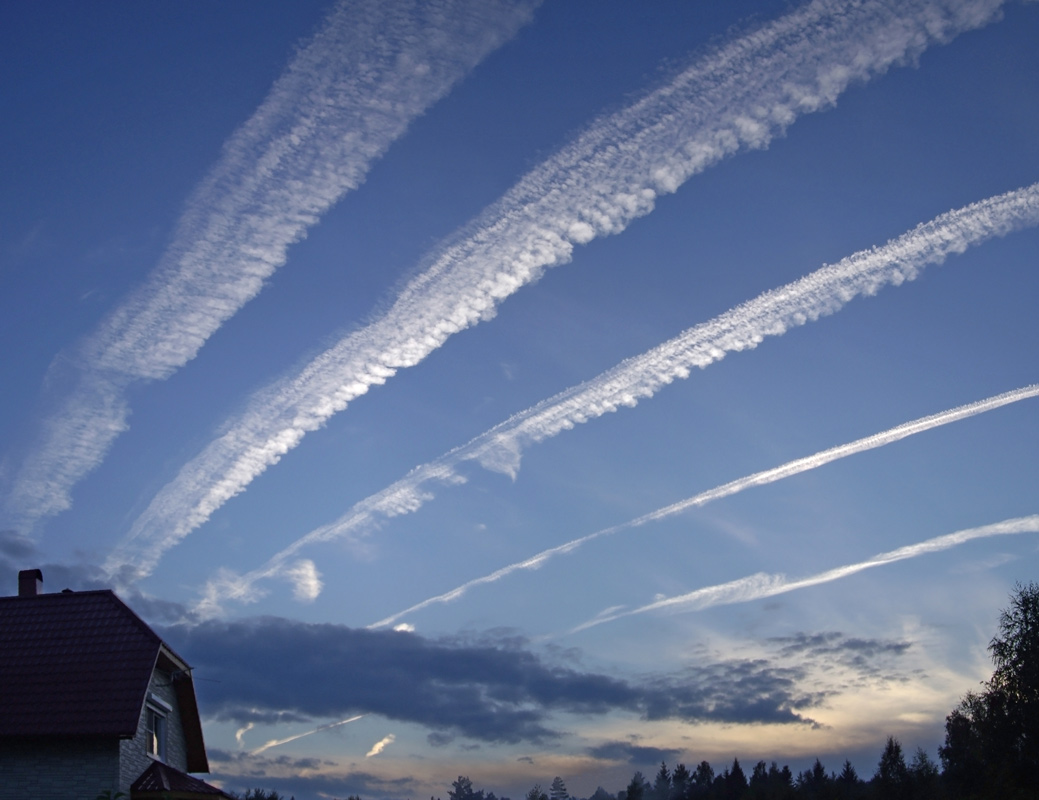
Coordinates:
93 701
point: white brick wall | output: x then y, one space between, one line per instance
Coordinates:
134 758
81 769
58 769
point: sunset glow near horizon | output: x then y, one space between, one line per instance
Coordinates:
516 389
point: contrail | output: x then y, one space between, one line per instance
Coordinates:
371 69
381 745
767 476
819 293
238 734
761 585
737 97
276 742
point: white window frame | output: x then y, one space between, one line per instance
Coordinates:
156 722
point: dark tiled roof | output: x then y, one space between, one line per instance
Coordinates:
79 664
75 663
162 781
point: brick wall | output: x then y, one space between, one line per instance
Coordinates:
134 757
58 769
81 769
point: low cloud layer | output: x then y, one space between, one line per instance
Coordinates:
632 753
497 691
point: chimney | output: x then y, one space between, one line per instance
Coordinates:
30 583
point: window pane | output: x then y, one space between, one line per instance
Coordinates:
156 734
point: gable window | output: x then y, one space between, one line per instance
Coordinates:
156 727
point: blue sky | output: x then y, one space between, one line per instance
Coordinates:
386 357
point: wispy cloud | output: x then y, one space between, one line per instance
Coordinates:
346 95
762 585
305 579
381 745
817 294
762 478
276 742
738 96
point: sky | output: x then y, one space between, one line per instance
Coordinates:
519 389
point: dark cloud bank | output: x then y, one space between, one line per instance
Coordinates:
634 753
491 689
267 669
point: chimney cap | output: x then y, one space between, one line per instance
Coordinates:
30 583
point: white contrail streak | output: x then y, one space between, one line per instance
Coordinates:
277 742
762 585
372 68
238 734
762 478
739 96
822 292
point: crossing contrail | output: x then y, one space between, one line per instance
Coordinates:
819 293
345 97
738 96
762 585
762 478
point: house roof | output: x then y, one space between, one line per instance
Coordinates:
162 782
79 664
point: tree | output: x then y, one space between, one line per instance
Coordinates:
735 781
637 788
924 777
992 738
758 782
462 789
770 782
537 793
703 779
680 782
662 784
557 791
814 783
782 780
963 755
892 775
848 775
848 783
